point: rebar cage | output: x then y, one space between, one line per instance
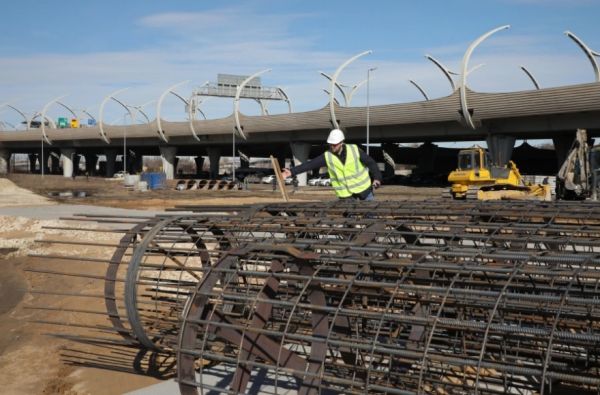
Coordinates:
386 297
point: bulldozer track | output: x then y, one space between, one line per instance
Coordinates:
472 193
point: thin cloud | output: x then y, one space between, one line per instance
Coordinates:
222 25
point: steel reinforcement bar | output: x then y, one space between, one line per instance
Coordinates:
578 212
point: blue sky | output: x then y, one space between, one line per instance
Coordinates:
87 49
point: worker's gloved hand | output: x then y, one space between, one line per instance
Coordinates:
286 173
376 184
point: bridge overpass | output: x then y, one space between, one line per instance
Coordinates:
499 118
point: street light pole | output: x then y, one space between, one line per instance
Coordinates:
124 145
368 103
233 158
42 158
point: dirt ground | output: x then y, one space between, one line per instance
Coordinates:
112 193
36 318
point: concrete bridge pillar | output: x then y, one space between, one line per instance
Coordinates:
90 163
111 161
66 155
281 160
387 152
128 162
137 164
168 161
4 161
214 156
54 163
427 158
562 145
500 147
199 164
300 153
76 160
175 165
32 162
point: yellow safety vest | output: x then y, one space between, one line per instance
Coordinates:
350 177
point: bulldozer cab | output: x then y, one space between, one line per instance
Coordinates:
473 159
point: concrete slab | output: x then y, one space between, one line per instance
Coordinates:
215 380
66 210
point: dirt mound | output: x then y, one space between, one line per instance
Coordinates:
12 195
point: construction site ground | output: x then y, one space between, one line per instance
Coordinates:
33 360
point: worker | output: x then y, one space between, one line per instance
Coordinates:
347 167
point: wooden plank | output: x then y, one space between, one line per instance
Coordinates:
279 177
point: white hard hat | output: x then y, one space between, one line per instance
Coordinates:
336 136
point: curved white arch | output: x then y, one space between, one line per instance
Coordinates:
159 105
4 123
126 107
465 72
43 115
189 105
263 107
101 113
192 107
337 85
448 73
236 101
355 89
327 93
588 51
72 111
142 112
88 114
420 89
444 70
177 95
197 105
333 82
475 68
39 114
68 109
287 98
27 120
531 77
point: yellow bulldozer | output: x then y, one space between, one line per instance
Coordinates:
477 179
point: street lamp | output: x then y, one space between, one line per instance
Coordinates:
368 103
125 144
42 158
128 109
43 127
233 156
236 114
